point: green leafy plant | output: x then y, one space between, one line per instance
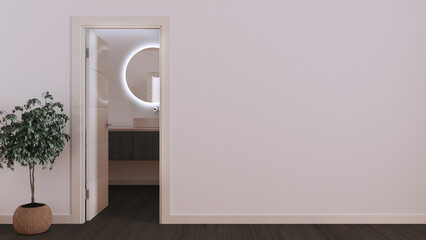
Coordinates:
33 134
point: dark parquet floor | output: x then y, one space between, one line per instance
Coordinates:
133 215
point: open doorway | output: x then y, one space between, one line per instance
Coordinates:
139 147
122 111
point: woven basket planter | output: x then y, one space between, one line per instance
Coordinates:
29 219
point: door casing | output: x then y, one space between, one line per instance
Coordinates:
79 25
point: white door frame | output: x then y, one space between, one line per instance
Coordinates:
79 25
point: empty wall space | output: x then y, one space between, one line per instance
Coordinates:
277 108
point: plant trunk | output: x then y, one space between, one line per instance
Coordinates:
32 182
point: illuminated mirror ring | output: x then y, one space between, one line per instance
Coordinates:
141 74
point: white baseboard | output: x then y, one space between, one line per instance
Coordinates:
295 219
129 181
57 219
6 219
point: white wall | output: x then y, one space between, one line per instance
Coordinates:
122 44
133 172
277 107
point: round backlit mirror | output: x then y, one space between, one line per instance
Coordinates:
142 75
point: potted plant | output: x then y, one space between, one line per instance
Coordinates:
33 134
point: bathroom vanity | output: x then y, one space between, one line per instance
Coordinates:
134 144
133 156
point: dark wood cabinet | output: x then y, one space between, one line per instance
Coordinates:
134 145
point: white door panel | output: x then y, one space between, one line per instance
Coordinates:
96 125
97 195
98 53
99 85
97 129
95 160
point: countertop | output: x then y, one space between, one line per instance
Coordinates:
150 129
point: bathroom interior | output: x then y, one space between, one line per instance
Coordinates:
134 105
